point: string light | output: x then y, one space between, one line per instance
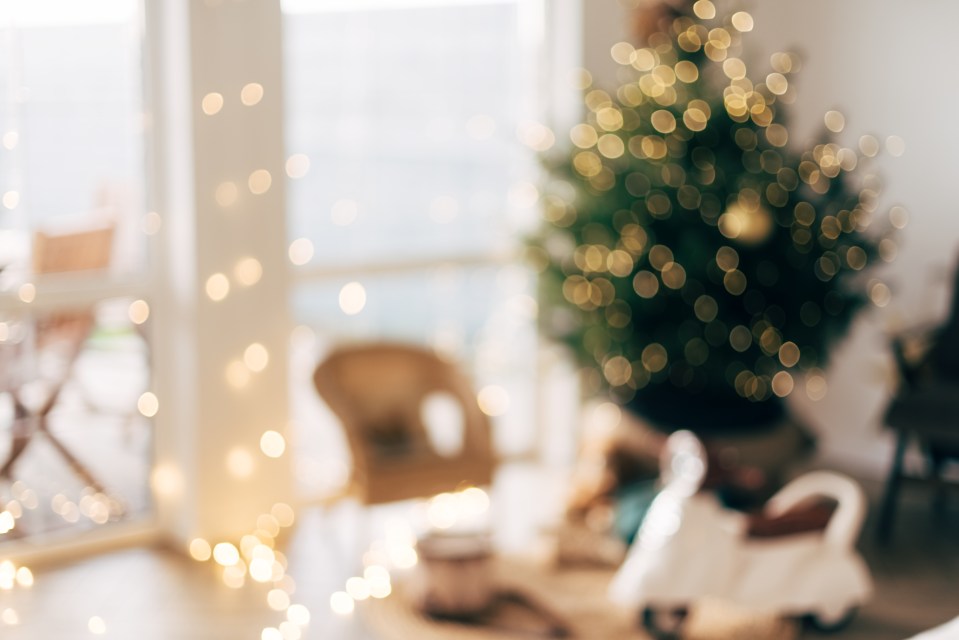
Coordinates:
259 181
240 463
7 522
96 625
27 292
200 550
138 311
10 140
251 94
297 165
248 271
226 193
256 357
11 199
217 287
301 251
352 298
695 308
148 404
272 444
341 603
212 103
493 400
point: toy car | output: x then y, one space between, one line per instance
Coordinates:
690 546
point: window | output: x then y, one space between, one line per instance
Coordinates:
411 131
75 448
409 127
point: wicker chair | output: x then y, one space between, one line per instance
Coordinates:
378 392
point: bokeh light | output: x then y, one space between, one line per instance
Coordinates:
237 374
493 400
297 165
226 193
226 554
895 145
301 251
284 514
256 357
10 617
248 271
212 103
298 614
536 136
816 387
278 599
217 287
166 480
834 121
200 550
742 21
24 577
259 181
96 625
138 311
10 140
272 444
352 298
148 404
151 223
271 633
27 292
240 463
11 199
341 603
251 93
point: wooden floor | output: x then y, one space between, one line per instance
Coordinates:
147 594
916 572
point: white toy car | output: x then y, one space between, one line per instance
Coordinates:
690 547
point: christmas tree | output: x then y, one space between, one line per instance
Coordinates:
698 263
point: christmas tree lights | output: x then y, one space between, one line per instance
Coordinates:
696 261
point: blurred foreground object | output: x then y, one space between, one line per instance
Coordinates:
615 479
454 575
690 547
947 631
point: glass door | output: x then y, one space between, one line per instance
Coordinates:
75 405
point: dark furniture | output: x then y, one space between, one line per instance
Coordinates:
925 411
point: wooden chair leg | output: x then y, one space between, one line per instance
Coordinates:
73 462
888 506
23 430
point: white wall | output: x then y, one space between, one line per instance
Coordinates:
889 68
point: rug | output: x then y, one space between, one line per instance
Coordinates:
578 597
